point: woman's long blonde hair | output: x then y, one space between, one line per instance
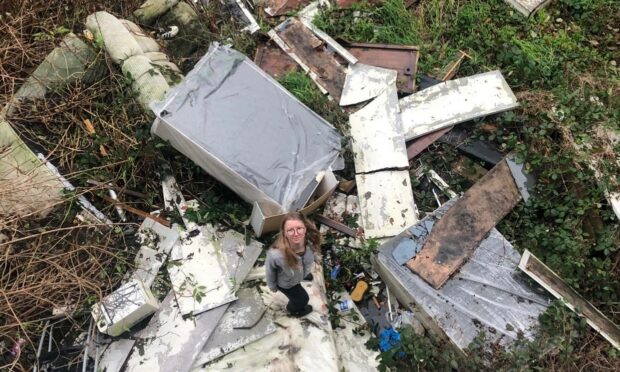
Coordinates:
312 236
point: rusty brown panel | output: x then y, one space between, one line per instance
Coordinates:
311 51
274 61
455 236
416 146
402 58
279 7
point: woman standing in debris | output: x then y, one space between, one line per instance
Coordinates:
290 260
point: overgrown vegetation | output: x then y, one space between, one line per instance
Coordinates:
561 63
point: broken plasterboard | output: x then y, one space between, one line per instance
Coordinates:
487 294
227 114
365 82
244 322
112 356
156 243
386 202
298 344
401 58
199 274
455 101
457 234
376 131
544 276
528 7
299 42
170 343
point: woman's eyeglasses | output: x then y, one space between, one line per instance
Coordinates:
298 230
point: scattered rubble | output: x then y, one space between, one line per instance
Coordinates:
452 273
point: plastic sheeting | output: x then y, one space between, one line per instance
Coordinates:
488 294
242 127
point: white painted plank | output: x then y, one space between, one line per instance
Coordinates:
199 276
454 102
376 129
386 201
365 82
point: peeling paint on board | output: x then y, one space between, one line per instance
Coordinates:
365 82
386 202
376 129
455 101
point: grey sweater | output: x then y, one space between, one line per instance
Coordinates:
279 274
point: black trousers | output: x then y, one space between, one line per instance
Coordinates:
297 298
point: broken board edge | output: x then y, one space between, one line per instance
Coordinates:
568 295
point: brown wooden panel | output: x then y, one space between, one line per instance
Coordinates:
274 61
455 236
311 51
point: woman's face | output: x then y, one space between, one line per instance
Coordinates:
295 231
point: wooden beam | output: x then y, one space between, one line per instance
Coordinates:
137 211
544 276
336 225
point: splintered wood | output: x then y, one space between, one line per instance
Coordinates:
456 235
309 49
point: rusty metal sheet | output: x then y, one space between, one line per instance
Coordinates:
276 8
402 58
416 146
310 50
462 228
274 61
542 274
